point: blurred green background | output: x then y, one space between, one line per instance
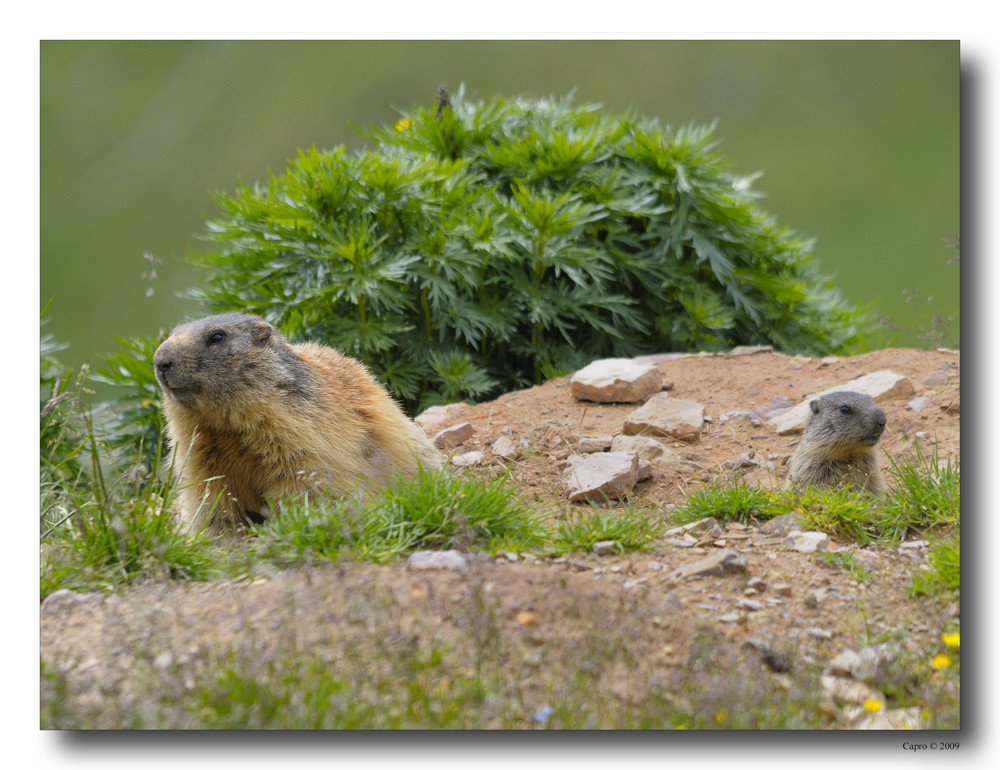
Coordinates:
858 142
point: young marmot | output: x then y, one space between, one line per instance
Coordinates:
838 445
253 419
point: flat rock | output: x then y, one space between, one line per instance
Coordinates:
720 563
780 525
662 415
605 547
65 599
437 560
605 475
647 448
590 444
694 526
436 418
505 448
881 385
452 436
806 542
749 350
936 378
468 459
615 380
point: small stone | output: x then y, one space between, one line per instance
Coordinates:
612 380
601 476
806 542
730 617
780 525
468 459
437 560
749 605
449 438
757 584
589 445
526 618
749 350
819 633
505 448
65 599
436 418
666 416
605 548
936 379
647 448
717 564
163 660
771 657
708 523
918 405
782 589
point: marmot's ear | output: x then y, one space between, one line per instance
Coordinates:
814 405
261 332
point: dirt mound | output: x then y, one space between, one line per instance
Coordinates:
622 623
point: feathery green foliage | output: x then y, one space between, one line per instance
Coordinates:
482 246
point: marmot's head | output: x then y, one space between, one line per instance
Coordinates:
851 418
224 359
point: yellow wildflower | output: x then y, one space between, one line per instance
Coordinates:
873 705
951 640
721 715
941 661
403 123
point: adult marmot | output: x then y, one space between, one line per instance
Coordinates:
254 419
838 445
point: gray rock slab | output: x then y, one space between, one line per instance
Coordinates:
615 380
599 476
437 418
453 436
647 448
662 415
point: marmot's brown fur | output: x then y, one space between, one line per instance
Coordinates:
838 445
254 419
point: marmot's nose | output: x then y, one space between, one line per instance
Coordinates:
162 367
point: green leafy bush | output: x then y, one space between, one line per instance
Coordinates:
482 246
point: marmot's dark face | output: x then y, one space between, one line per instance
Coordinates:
217 358
852 416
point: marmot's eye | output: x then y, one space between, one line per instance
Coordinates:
216 337
845 409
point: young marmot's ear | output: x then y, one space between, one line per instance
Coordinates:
261 332
814 405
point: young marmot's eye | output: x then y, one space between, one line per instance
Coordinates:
845 409
216 337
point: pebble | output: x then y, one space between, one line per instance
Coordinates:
605 548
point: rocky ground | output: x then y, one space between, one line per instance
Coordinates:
765 609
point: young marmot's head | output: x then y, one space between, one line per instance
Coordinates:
225 358
853 418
